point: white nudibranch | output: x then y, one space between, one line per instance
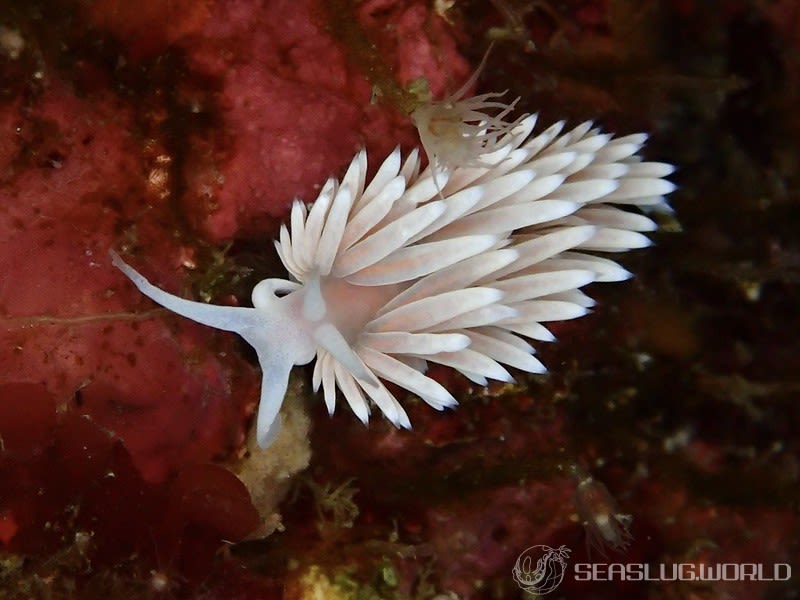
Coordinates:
459 266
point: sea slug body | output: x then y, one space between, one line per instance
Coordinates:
459 266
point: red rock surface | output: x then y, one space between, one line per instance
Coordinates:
71 492
88 168
154 129
293 108
71 323
168 129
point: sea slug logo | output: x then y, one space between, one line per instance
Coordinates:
540 569
551 563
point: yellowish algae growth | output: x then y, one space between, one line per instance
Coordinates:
316 585
268 474
319 584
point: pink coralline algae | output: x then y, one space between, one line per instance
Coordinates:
70 486
208 121
171 130
85 169
289 95
73 187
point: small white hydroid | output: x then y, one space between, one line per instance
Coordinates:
458 270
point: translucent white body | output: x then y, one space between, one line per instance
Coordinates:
457 269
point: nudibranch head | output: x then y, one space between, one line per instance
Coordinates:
460 266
